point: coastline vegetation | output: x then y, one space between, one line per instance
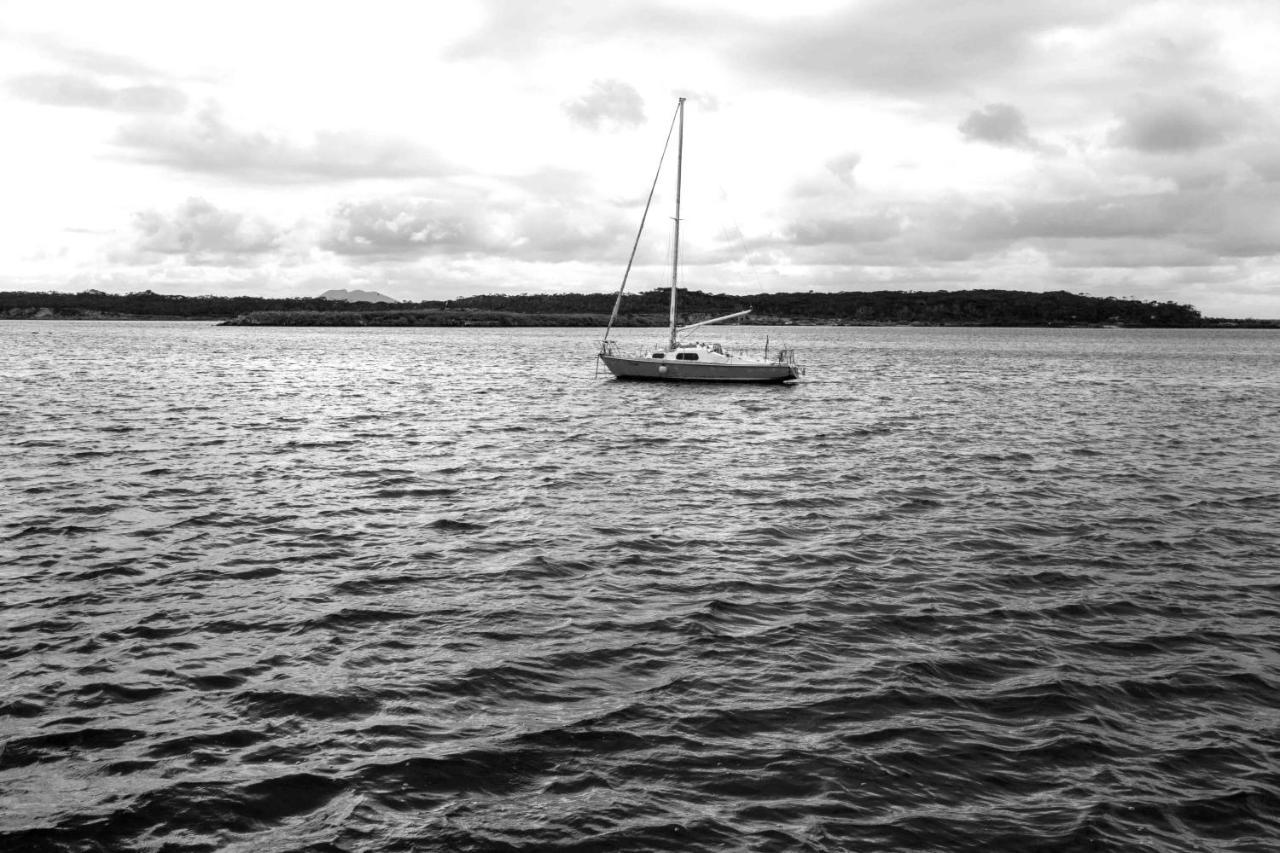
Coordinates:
940 308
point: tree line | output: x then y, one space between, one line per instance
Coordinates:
960 307
91 303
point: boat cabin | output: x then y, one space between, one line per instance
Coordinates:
696 351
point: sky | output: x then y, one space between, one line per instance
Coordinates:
433 150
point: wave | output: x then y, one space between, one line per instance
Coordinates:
299 590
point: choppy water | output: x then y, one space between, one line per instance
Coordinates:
357 590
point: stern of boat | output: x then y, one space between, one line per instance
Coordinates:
787 357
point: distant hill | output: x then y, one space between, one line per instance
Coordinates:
356 296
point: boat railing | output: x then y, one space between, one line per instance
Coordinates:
782 355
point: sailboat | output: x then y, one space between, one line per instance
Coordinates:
689 361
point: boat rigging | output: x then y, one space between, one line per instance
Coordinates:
688 362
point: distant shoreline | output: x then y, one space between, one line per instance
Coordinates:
541 321
965 308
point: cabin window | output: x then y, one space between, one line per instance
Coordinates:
687 356
659 354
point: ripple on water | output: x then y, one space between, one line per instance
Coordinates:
968 589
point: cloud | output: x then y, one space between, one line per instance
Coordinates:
474 224
998 124
832 185
1126 253
88 59
515 29
562 231
207 144
1094 217
403 226
1109 216
73 90
203 234
1179 227
1180 123
556 181
851 229
842 167
904 48
611 104
96 80
889 46
706 102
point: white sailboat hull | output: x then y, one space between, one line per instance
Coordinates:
671 370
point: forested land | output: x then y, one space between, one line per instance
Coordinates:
943 308
962 307
93 304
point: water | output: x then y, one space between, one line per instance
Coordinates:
349 590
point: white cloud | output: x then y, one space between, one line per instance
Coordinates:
610 104
842 167
203 234
479 223
402 227
207 143
72 90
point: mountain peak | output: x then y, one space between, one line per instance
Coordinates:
356 296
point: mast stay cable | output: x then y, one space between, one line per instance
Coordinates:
617 303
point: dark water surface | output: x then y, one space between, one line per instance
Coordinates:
367 590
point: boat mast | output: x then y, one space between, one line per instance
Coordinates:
617 303
675 255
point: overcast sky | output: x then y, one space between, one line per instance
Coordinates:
434 150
